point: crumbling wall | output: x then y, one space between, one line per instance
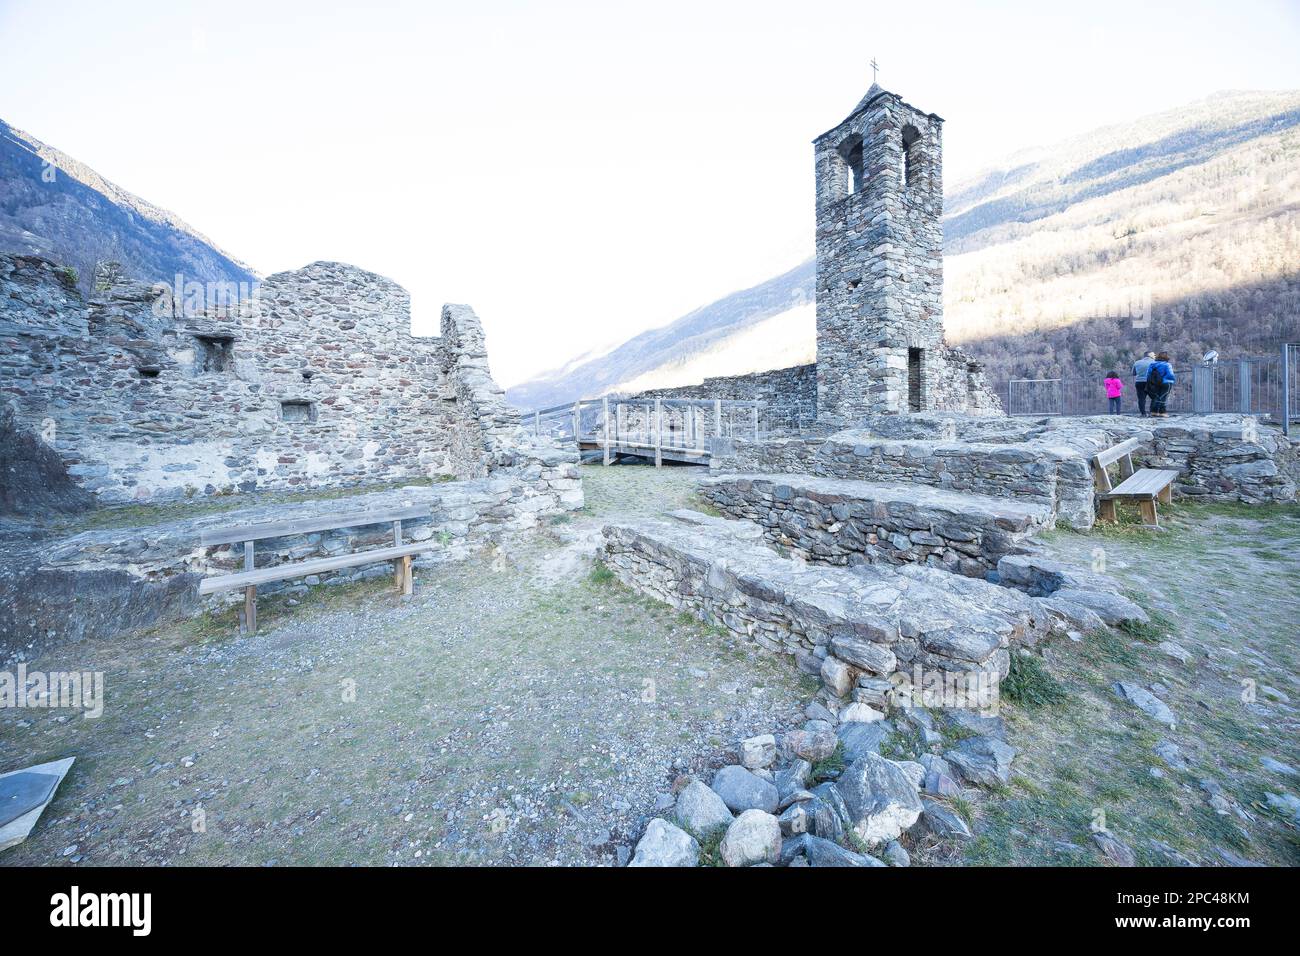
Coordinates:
96 584
317 382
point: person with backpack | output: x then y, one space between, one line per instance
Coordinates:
1140 369
1114 389
1160 382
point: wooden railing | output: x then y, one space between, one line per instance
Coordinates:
677 429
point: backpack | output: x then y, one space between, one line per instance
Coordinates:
1154 378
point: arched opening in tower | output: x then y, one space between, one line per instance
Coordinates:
911 156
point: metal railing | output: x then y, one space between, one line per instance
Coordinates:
1246 386
678 429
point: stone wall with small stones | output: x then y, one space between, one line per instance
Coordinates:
788 396
1056 478
851 522
95 584
879 280
317 382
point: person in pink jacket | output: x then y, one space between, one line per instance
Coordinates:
1114 389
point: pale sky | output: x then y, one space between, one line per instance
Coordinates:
576 171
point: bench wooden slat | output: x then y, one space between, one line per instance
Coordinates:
1144 483
282 572
1108 456
279 529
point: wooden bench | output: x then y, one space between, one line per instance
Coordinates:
1146 486
249 579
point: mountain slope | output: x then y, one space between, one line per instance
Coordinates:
712 333
67 212
1188 219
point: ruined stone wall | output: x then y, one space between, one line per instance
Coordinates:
833 521
1057 478
319 383
96 584
880 269
1043 461
788 395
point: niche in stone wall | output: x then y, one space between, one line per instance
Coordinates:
215 353
297 410
914 379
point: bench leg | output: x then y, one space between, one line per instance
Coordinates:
250 610
1149 516
408 579
1107 510
1167 495
399 575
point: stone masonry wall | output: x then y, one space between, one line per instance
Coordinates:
319 383
789 395
96 584
834 521
1056 478
880 269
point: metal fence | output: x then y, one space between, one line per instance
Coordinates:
1247 386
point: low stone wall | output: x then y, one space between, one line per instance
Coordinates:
866 620
1042 461
851 522
1218 457
96 584
1055 478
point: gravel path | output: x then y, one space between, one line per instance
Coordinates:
518 709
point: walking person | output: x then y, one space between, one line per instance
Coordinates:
1114 389
1140 369
1160 382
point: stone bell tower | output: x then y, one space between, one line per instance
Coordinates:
880 262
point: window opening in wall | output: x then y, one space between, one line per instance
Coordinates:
911 157
148 371
914 379
851 153
297 410
216 353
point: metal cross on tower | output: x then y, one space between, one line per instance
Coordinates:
874 68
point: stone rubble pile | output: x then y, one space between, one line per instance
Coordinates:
875 635
786 802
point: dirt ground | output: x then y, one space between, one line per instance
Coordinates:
518 709
522 708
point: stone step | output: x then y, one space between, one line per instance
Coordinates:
867 621
843 521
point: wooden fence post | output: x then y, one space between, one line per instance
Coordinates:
250 593
605 410
659 433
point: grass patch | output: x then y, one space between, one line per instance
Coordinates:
1029 685
1107 645
963 808
1151 631
828 768
710 846
601 574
